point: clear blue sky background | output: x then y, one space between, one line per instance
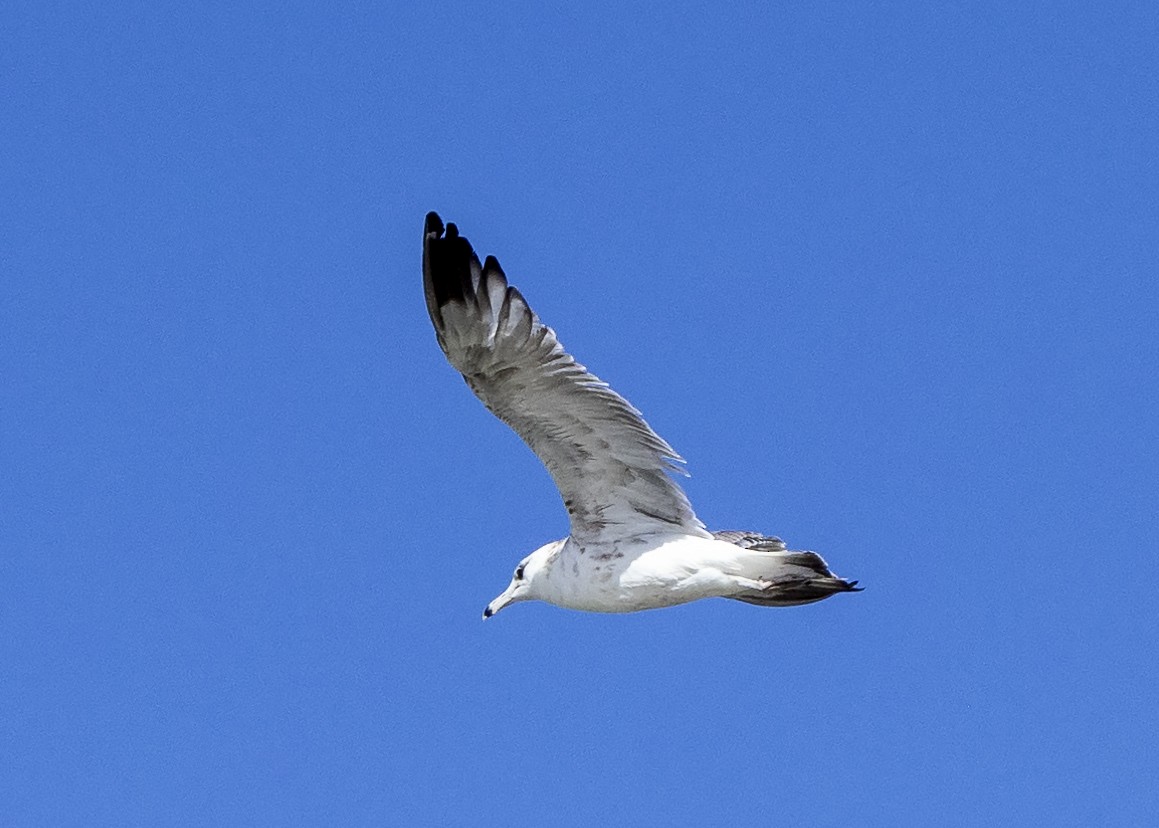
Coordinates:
884 273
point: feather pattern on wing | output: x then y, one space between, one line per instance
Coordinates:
611 468
751 540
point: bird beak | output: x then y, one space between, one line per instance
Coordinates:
500 602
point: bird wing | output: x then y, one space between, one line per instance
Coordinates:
751 540
610 467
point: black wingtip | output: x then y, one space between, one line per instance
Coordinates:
448 261
491 265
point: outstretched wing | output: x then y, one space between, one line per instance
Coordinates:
611 468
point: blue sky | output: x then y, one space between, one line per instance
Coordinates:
885 274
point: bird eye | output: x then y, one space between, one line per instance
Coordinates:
519 572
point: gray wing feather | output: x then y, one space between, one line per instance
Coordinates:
611 468
751 540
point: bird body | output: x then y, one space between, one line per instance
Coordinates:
664 570
631 574
635 542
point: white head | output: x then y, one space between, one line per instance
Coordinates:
529 581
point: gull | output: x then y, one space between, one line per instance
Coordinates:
635 542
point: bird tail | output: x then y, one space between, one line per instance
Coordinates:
790 579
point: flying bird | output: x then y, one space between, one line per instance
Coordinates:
635 542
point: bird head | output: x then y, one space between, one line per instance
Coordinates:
529 579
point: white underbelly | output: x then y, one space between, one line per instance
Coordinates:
652 575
